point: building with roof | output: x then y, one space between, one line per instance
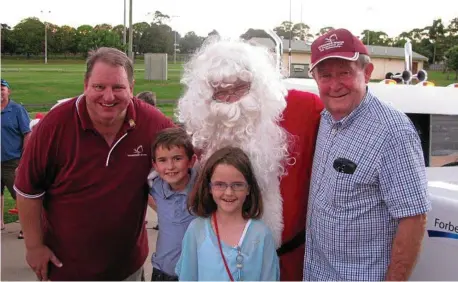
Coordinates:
385 59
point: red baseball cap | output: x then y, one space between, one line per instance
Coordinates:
337 43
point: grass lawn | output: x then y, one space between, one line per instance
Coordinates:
9 204
39 86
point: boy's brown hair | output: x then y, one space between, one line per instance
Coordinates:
201 202
173 137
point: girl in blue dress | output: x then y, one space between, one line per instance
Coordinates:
227 241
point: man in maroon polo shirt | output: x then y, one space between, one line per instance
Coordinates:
81 184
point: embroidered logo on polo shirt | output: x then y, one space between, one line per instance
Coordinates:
138 152
330 43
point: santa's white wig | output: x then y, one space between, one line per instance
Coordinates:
251 123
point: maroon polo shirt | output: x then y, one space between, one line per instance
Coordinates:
94 195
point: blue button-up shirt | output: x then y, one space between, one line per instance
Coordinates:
15 124
352 218
173 218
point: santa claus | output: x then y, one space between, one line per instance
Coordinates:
235 96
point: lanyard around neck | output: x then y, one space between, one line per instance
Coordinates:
221 249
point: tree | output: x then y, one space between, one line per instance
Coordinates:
190 42
139 29
452 60
82 39
284 30
66 38
324 30
119 29
252 33
160 18
301 31
380 38
213 33
7 43
452 28
54 43
103 26
436 33
298 31
157 39
29 36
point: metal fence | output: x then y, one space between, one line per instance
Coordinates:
436 67
180 58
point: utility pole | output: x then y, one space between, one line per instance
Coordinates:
301 12
290 36
124 33
369 11
175 45
131 32
46 43
46 35
175 49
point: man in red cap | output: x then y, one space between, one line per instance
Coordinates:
368 195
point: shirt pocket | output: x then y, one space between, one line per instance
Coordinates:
357 189
12 121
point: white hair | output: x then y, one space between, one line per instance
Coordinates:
252 123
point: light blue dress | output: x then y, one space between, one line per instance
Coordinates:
201 259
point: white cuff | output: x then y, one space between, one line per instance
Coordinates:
28 195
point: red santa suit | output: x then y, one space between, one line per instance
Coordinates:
301 119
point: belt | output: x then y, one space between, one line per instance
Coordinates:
159 275
292 244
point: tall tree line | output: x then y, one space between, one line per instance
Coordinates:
27 37
435 41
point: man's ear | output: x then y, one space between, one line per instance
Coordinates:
86 85
132 87
154 165
368 72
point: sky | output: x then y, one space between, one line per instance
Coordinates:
232 18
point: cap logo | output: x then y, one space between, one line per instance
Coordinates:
331 43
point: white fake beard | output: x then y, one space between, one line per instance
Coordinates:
255 130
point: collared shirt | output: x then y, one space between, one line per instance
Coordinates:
15 124
94 195
201 259
352 218
173 218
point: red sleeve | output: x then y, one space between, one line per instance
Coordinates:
157 119
167 122
31 175
319 107
301 119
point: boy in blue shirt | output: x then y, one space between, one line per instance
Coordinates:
170 183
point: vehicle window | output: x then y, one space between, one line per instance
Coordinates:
444 140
